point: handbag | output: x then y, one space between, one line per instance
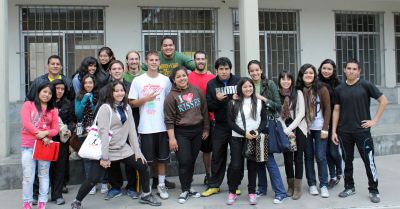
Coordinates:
63 129
278 141
46 152
261 148
74 142
91 147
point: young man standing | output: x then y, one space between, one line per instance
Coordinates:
351 125
219 93
200 77
148 92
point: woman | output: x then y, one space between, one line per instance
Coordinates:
39 122
91 66
295 126
85 104
186 119
267 92
317 115
105 56
247 118
327 75
115 115
59 167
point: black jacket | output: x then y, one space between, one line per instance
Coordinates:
69 90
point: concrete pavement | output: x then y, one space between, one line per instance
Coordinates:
388 171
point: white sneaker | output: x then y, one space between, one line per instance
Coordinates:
162 191
93 191
104 188
313 190
324 192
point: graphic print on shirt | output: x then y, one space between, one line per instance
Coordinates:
187 102
226 90
166 69
148 90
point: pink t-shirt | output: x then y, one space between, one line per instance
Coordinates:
201 80
32 122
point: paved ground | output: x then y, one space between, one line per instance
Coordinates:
388 170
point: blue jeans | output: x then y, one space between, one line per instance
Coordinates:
315 146
274 176
28 176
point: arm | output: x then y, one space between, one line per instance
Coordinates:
335 120
188 62
381 108
133 139
264 118
169 111
232 121
80 106
299 115
326 107
213 103
27 124
275 101
103 125
76 84
204 112
54 127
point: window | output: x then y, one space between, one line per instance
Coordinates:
279 41
191 28
358 35
70 32
397 43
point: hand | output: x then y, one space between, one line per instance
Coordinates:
141 157
368 123
173 145
205 135
88 94
335 138
220 96
105 163
46 141
250 136
324 134
151 96
261 97
41 134
292 135
235 97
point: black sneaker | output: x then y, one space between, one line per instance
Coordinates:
149 199
374 197
347 192
333 182
193 193
76 205
183 197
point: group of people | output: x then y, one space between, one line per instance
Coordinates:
171 103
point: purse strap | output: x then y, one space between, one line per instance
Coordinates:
111 113
243 118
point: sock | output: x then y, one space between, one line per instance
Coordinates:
334 178
145 194
161 180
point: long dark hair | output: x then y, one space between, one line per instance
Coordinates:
256 62
293 90
51 102
59 82
238 104
110 53
174 72
110 98
82 91
300 83
333 81
83 68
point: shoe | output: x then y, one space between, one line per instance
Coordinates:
113 193
34 201
347 192
193 193
162 191
149 199
133 194
206 177
231 198
76 205
183 197
313 190
60 201
259 193
253 199
297 189
290 187
324 192
210 191
238 192
278 200
27 205
374 197
333 182
93 191
65 189
41 205
104 188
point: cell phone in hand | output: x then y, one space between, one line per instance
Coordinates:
252 132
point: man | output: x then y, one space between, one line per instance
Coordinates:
200 77
219 93
170 59
148 92
351 125
133 69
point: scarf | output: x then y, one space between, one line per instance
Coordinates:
309 103
88 115
286 102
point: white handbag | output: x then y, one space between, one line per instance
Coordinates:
91 147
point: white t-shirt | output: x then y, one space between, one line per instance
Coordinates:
318 123
151 113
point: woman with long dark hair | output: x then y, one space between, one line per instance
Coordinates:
89 65
105 56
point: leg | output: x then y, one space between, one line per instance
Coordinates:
347 142
58 172
218 158
28 174
95 176
299 154
143 172
320 155
44 180
262 178
309 160
235 168
115 175
184 157
252 176
275 177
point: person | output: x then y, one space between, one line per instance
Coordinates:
187 123
88 65
85 104
59 168
105 56
351 125
219 93
148 92
317 116
54 68
170 59
327 75
267 91
199 78
247 117
133 68
39 123
295 126
115 115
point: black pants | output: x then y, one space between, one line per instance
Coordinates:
365 146
97 173
189 142
57 171
295 158
333 157
115 176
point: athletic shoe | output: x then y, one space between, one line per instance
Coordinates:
278 200
374 197
231 198
76 205
113 193
347 192
93 191
133 194
27 205
253 199
183 197
259 193
238 192
210 191
162 191
60 201
193 193
149 199
104 188
333 182
41 205
324 192
313 190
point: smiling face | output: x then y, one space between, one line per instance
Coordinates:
104 58
133 61
168 48
116 71
308 76
153 62
54 66
285 82
327 70
255 72
200 62
88 84
92 68
45 95
181 79
247 89
223 72
118 93
352 71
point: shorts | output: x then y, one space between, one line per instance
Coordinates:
155 147
206 145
